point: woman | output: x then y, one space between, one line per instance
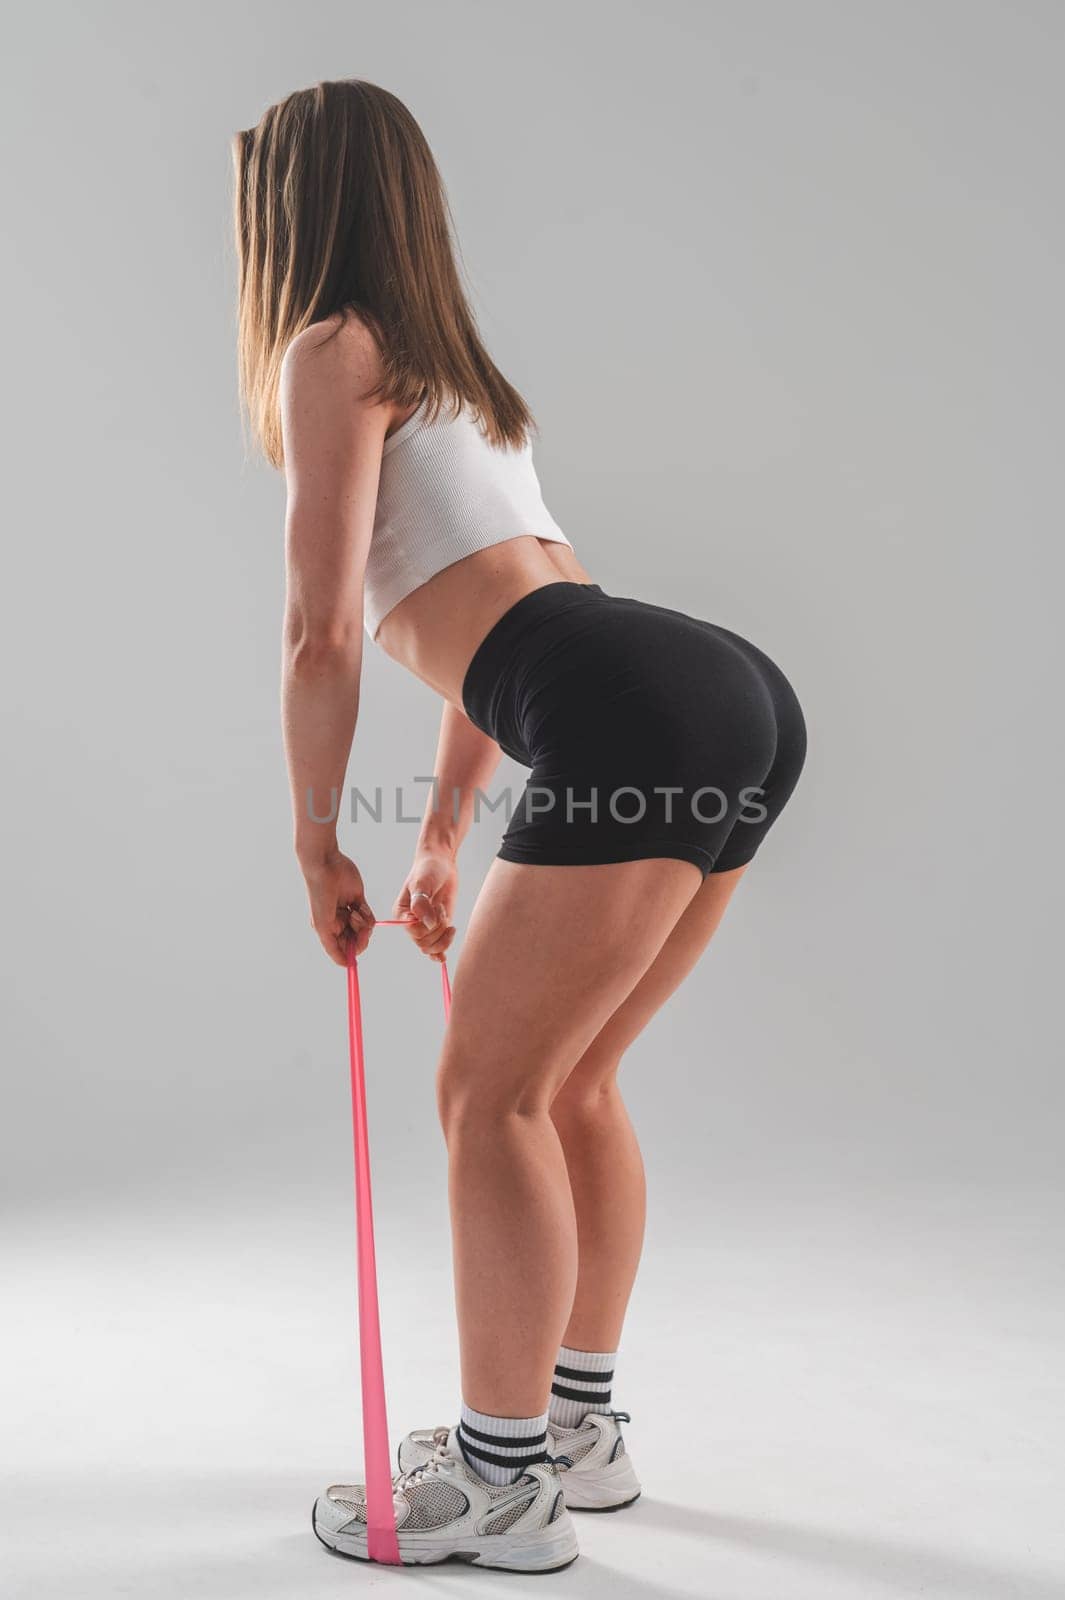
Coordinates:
662 750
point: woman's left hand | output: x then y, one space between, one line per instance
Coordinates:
427 899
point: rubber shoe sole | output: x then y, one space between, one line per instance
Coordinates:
533 1551
607 1488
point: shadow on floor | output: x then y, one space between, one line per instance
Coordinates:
229 1534
910 1567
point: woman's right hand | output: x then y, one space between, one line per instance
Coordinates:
339 913
427 900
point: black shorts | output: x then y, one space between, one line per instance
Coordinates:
649 733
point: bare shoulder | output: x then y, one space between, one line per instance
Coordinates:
338 350
332 427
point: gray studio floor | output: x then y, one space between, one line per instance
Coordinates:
830 1397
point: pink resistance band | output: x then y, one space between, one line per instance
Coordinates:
381 1541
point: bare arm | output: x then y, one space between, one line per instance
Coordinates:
466 758
333 443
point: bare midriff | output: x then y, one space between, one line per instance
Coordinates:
434 631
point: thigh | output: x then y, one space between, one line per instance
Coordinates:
676 959
549 955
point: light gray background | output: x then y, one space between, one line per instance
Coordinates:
782 284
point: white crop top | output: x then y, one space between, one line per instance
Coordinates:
444 493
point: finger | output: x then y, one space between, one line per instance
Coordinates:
327 925
423 936
442 937
329 935
421 904
440 946
361 921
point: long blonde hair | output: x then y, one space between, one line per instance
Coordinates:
340 208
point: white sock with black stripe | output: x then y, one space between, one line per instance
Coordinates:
581 1384
500 1448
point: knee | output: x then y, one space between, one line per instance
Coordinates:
472 1095
582 1105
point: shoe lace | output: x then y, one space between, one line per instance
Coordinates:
426 1469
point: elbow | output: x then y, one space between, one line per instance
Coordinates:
321 643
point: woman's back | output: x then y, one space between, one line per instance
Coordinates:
446 492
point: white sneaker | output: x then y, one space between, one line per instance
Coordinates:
444 1511
595 1469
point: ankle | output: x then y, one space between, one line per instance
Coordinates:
499 1449
582 1383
